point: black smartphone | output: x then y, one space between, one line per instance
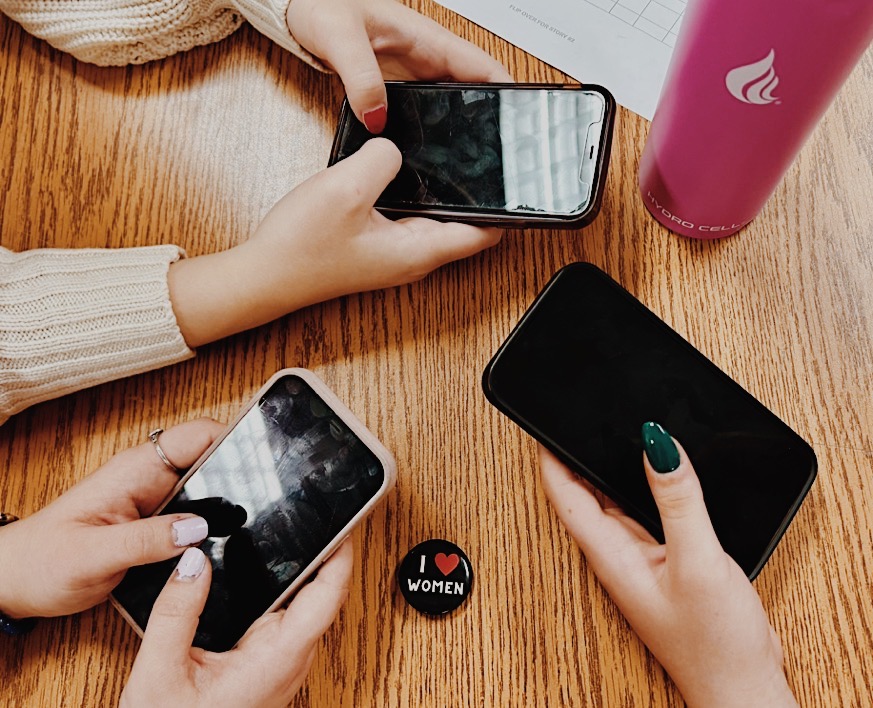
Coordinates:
280 490
510 155
588 364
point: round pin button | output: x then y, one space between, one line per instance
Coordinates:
435 577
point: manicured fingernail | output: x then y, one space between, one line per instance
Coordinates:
660 448
187 532
191 564
376 118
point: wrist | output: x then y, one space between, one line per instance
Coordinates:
13 617
285 278
214 296
772 692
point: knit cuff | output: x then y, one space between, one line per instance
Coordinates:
70 319
269 18
110 33
116 33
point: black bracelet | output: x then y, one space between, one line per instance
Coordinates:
14 627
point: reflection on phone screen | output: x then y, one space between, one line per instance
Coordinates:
275 492
532 150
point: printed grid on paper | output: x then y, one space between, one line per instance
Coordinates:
657 18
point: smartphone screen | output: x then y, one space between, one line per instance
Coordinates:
522 151
588 364
275 492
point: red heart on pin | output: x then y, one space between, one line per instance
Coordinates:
445 563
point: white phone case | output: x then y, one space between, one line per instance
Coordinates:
389 467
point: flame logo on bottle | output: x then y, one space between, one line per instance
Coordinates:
754 83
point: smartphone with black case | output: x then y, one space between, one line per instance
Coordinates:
588 364
509 155
280 489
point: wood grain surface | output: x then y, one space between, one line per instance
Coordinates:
193 150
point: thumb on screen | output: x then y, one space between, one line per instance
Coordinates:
688 532
365 174
176 613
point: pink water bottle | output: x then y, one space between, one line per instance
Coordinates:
748 81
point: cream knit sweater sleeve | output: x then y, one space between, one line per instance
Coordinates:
70 319
117 32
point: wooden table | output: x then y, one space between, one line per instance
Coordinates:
193 150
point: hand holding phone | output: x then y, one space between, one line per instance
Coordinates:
270 663
280 490
512 155
68 556
588 364
320 241
368 41
688 601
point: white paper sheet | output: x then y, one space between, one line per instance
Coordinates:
624 45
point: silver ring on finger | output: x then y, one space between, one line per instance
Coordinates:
154 437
